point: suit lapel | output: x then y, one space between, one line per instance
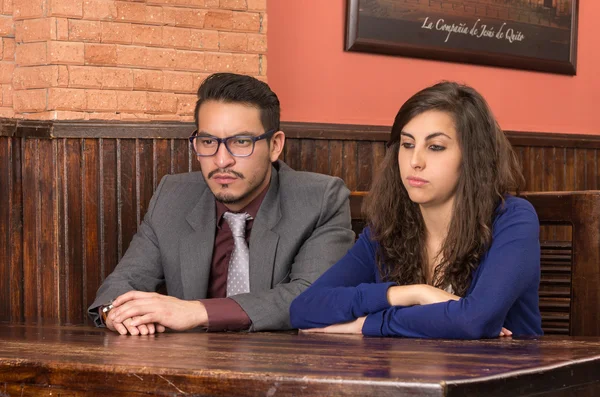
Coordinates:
263 240
196 249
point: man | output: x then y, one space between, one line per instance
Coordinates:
237 242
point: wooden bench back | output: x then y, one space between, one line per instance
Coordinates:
570 279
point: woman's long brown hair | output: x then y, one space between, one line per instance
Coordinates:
488 171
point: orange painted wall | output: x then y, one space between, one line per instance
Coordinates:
317 81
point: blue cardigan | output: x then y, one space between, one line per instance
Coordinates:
503 291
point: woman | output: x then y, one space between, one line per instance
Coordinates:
447 253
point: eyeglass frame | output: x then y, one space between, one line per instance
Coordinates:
254 139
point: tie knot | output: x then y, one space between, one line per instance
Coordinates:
237 223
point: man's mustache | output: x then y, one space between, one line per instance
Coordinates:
222 171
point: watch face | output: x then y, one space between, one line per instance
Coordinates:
107 308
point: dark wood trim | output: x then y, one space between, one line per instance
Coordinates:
295 130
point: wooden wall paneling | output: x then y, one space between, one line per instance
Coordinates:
365 165
350 164
74 230
322 156
31 179
591 169
109 216
579 169
336 158
15 242
128 196
308 159
5 226
378 156
181 156
92 208
145 175
47 208
291 153
162 160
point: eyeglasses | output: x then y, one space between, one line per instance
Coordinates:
237 145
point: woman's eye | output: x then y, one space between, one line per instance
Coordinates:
437 148
407 145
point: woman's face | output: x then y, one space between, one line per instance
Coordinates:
430 158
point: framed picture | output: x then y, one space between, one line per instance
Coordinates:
524 34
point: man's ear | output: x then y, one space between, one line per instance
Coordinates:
276 145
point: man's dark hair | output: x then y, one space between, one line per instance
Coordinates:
247 90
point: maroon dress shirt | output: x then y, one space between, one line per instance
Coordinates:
225 313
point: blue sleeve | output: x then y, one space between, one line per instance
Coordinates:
506 271
346 291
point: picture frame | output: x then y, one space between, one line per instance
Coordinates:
538 35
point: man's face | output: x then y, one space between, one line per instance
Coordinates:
236 181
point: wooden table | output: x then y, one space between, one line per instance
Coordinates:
54 360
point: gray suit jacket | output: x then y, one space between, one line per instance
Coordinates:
301 229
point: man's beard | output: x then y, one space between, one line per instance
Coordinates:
228 198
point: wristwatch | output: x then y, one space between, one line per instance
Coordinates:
105 309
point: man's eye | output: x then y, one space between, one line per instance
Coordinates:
242 141
207 141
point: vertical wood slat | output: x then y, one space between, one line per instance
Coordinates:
128 194
92 207
30 259
5 223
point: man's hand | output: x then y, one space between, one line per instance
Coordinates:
145 308
125 327
352 327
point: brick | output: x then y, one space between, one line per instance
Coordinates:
7 112
7 25
246 21
56 115
189 17
204 39
63 76
218 20
100 54
132 56
176 37
65 8
29 100
8 49
35 77
131 12
264 23
211 3
154 15
8 8
1 48
215 62
103 116
32 30
131 101
135 117
65 53
117 78
165 117
233 42
116 33
245 64
7 95
31 54
262 63
98 100
146 34
186 104
85 77
189 60
28 9
257 43
148 80
62 29
257 5
233 4
6 72
199 78
161 58
87 31
179 82
66 99
99 10
160 102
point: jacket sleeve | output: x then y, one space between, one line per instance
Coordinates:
140 268
511 265
345 292
328 241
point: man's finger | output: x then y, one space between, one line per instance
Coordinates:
132 310
132 330
132 295
120 328
160 328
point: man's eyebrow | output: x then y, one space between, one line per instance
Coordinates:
241 133
430 136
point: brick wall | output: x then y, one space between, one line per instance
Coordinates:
123 60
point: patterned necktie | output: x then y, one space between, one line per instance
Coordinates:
238 275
